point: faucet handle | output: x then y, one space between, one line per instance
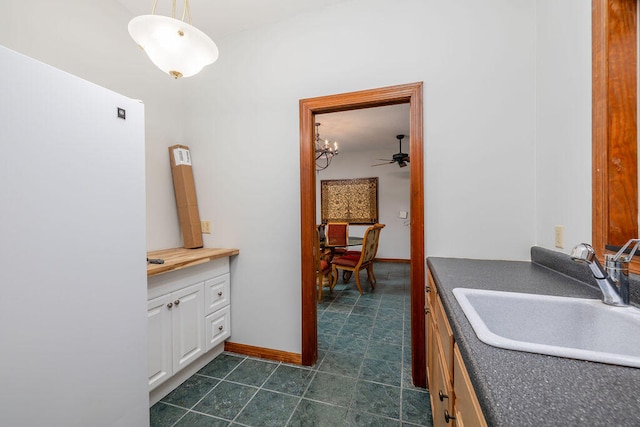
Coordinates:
618 256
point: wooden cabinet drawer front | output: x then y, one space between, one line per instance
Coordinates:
216 293
218 327
445 334
466 400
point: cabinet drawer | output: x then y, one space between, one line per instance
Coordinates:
444 333
216 293
466 401
218 327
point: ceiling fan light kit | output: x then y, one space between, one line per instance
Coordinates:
176 47
401 158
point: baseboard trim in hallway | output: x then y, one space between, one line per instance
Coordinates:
263 353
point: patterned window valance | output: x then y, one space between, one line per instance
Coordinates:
349 200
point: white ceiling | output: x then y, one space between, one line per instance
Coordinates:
221 18
367 129
356 130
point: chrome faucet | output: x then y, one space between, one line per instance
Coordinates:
613 280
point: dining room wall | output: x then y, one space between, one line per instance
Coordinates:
393 197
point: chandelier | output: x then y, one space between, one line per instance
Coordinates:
324 151
176 47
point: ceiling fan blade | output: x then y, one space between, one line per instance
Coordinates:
382 164
407 159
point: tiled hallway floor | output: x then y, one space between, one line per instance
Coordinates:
362 377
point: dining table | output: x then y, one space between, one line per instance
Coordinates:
340 242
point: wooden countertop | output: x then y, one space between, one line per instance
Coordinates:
179 258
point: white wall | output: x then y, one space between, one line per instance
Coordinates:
487 192
393 197
477 62
563 140
90 39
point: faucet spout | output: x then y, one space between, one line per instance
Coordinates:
611 294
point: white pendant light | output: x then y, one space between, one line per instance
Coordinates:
176 47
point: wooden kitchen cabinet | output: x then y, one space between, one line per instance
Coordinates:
453 400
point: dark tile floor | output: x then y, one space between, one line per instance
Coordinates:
362 378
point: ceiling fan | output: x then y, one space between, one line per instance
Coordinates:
401 158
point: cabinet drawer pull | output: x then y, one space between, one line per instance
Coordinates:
442 396
170 305
177 302
220 293
448 417
220 327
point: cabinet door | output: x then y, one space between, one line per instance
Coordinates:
440 390
159 340
216 293
430 327
187 325
466 401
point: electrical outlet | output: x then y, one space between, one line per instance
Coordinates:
560 236
205 227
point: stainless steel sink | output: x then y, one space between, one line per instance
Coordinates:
576 328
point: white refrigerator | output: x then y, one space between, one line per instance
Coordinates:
73 321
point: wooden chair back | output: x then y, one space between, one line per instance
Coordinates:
370 243
337 233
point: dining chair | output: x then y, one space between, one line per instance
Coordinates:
354 261
337 232
323 266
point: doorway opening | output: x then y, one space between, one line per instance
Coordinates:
408 93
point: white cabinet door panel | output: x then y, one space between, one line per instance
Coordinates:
159 341
188 331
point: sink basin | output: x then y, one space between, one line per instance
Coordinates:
576 328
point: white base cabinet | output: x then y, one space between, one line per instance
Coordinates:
189 316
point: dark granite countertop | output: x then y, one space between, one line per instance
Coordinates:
526 389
